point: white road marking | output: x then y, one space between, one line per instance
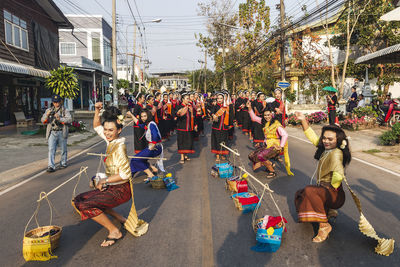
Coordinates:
42 172
355 158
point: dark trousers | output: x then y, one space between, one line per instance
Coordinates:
332 117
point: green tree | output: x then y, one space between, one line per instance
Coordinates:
122 83
63 81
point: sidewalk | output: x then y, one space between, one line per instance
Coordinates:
364 145
24 155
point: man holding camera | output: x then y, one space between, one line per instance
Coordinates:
57 119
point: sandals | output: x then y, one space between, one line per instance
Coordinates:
271 175
111 239
323 233
187 158
182 161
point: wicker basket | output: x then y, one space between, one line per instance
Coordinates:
157 184
54 239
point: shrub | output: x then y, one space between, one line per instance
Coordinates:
388 138
396 129
365 111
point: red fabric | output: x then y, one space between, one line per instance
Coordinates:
273 221
248 200
241 186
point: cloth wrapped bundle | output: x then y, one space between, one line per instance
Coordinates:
237 185
225 170
269 233
170 182
246 202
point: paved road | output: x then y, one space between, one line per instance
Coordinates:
198 225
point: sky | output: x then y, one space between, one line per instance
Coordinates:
171 44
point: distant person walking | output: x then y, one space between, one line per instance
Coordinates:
57 119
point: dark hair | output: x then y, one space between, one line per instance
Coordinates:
149 116
263 121
340 136
111 114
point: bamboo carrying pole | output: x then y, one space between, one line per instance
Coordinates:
131 157
255 179
231 150
83 169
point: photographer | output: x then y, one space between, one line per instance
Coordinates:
57 119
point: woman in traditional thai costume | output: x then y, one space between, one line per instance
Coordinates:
220 126
138 133
315 203
253 101
239 105
278 107
185 127
115 189
276 141
245 115
167 116
200 115
258 108
154 148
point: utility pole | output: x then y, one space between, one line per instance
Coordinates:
134 57
223 59
282 20
140 70
114 53
205 71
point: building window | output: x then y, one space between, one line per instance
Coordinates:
16 33
96 56
67 49
107 53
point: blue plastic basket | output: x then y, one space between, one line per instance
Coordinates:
225 170
271 243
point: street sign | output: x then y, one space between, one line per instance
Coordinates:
283 84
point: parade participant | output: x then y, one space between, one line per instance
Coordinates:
57 119
167 116
245 115
157 101
315 203
278 106
153 149
220 126
231 127
239 105
200 115
150 107
276 142
115 189
185 127
253 101
258 108
332 102
138 133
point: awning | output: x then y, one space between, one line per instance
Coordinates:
22 69
389 55
393 15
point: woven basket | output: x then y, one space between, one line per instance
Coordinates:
54 239
157 184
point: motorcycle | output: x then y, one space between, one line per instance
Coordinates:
388 114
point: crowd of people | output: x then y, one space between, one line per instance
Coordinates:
157 117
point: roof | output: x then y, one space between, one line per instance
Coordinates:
387 55
13 67
171 73
55 14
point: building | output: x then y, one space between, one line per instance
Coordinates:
28 50
87 48
172 81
